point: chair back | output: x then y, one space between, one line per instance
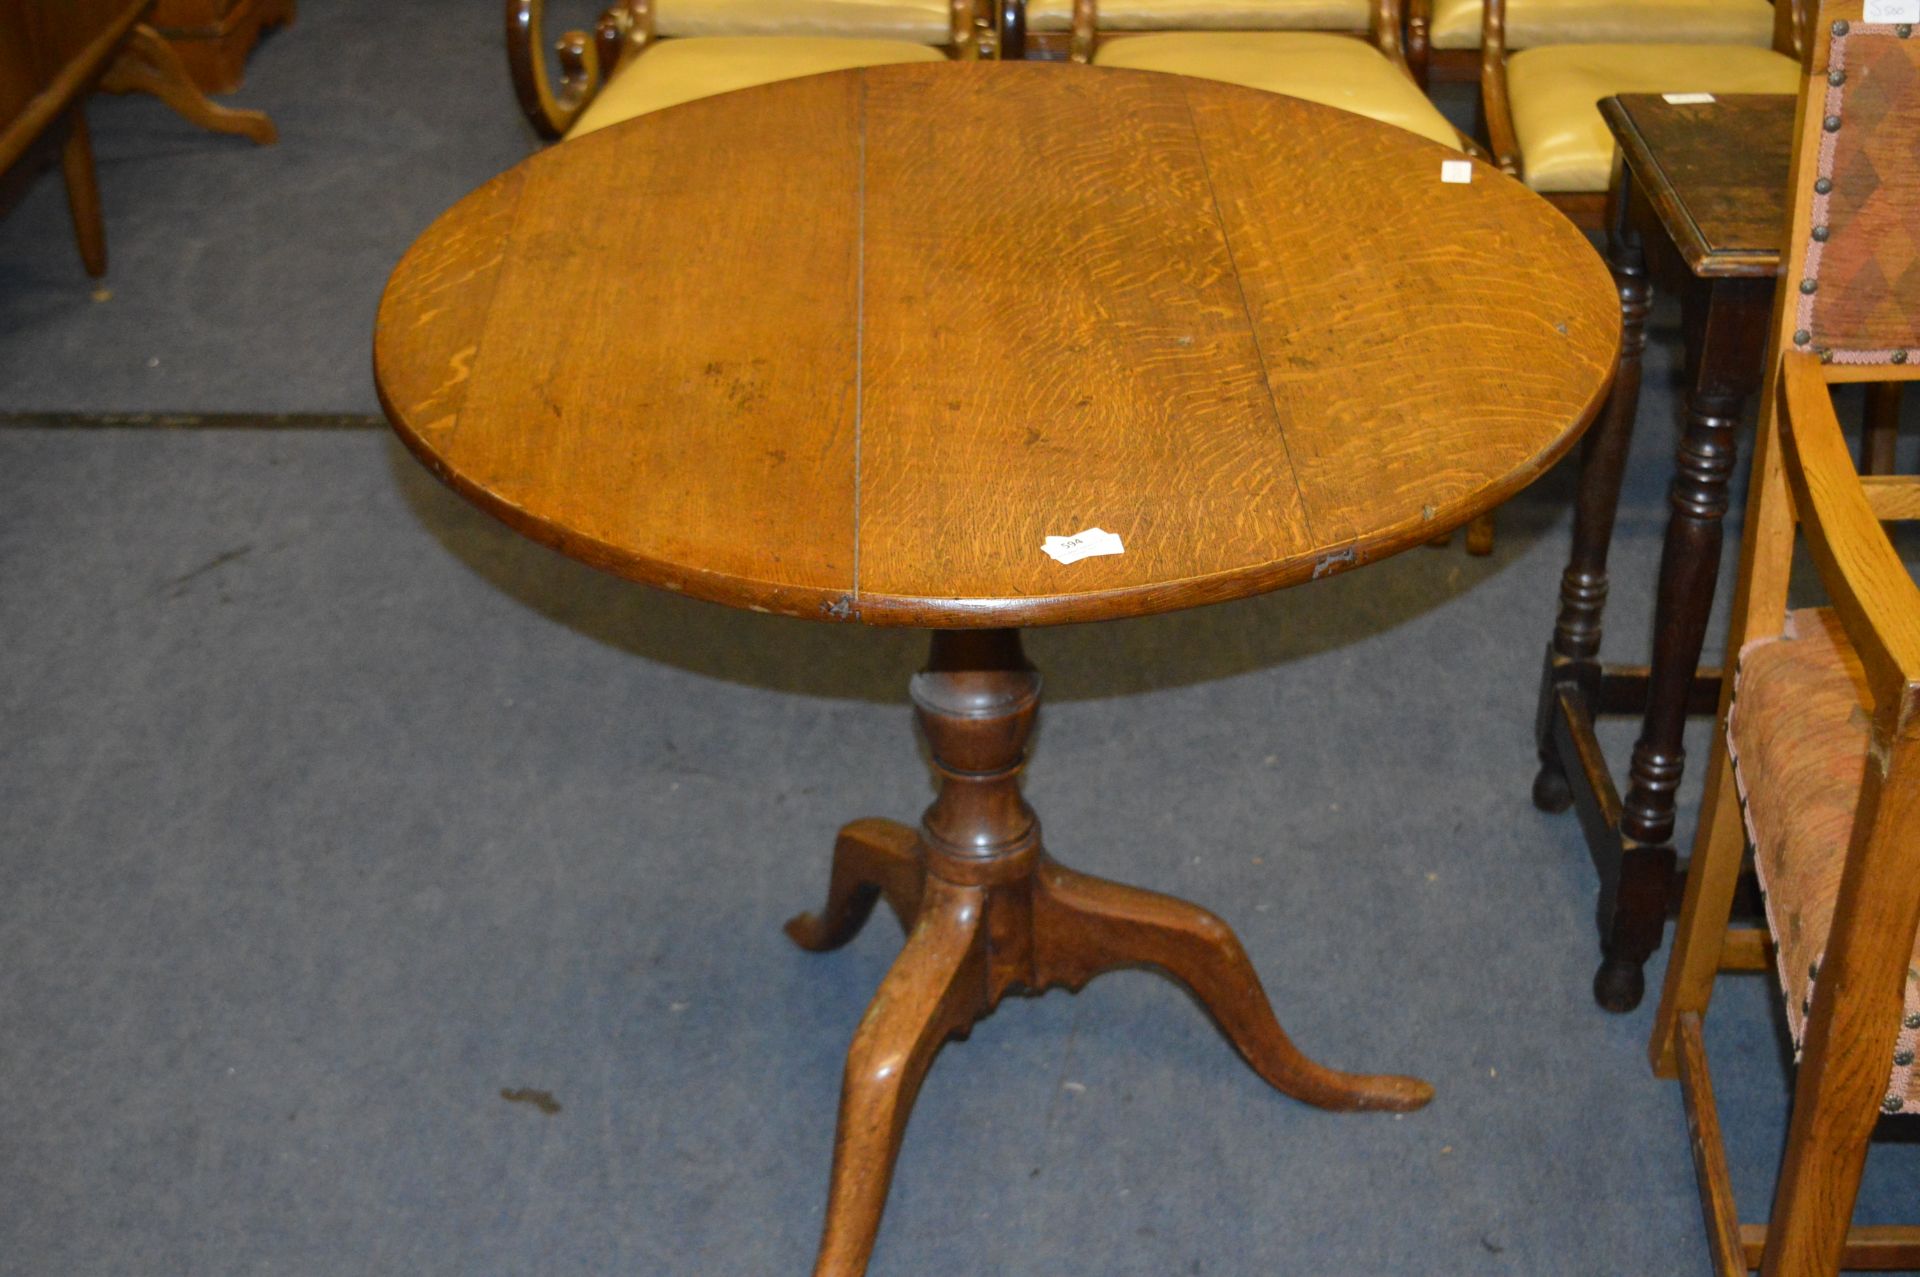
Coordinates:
1383 20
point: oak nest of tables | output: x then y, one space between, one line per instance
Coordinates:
853 347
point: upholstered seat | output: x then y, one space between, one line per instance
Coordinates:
918 21
1456 23
675 71
1554 94
1333 70
1798 738
1207 15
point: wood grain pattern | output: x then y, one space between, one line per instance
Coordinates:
961 307
1716 173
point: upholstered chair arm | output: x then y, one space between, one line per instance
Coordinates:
585 60
1870 587
1384 25
1493 87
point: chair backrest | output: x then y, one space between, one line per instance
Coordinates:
931 22
1847 309
1790 19
1379 18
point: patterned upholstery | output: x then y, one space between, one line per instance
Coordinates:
1798 738
1860 297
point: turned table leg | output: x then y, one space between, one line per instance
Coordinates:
83 193
1725 324
1573 654
989 913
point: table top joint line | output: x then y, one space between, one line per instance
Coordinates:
1246 311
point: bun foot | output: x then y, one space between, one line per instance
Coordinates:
1619 985
1551 792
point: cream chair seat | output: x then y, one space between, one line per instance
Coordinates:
1554 94
680 70
1207 15
1456 23
1333 70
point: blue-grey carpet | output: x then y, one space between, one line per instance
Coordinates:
330 811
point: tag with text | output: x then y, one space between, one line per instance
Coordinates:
1083 545
1686 99
1459 172
1894 11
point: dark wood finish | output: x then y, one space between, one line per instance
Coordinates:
988 912
1805 484
1103 297
214 37
1704 185
1194 377
51 56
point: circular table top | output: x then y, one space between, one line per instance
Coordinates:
854 346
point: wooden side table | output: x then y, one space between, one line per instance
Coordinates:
1030 301
1703 186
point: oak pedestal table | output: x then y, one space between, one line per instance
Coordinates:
852 347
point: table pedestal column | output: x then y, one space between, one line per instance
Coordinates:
988 912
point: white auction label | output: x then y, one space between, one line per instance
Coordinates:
1895 11
1691 99
1083 545
1456 171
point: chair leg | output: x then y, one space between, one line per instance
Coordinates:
1880 431
1700 935
146 63
83 193
1480 534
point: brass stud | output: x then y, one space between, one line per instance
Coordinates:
1840 28
1823 186
1831 124
1836 78
1903 1058
1899 356
1808 286
1892 1104
1826 356
1813 971
1912 1020
1802 337
1820 234
1904 30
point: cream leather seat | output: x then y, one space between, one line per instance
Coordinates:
1333 70
1456 23
680 70
1257 43
673 51
1542 103
1565 144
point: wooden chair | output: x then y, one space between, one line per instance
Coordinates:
1341 53
1443 36
1541 104
1820 723
648 54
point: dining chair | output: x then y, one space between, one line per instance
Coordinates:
1540 102
1341 53
645 55
1443 36
1816 765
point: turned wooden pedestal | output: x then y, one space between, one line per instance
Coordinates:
987 912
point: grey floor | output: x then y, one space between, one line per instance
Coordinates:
330 810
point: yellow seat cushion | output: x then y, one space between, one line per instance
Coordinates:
675 71
1798 739
921 21
1456 23
1555 93
1334 70
1206 15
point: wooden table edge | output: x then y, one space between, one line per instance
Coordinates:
1674 216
